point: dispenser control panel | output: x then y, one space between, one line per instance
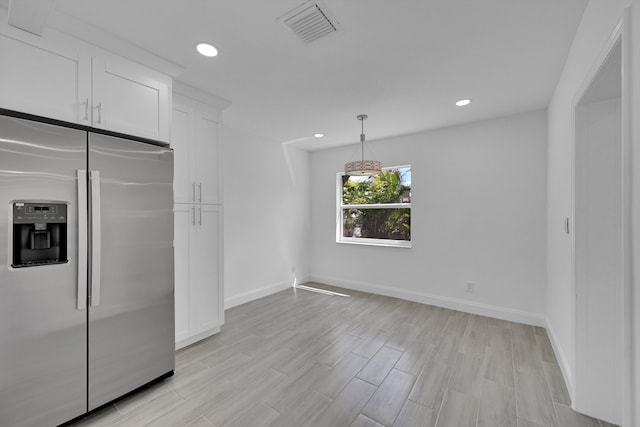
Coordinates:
39 233
38 212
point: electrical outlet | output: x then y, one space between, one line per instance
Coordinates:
471 287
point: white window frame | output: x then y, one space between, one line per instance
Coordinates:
363 240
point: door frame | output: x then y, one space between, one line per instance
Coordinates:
621 34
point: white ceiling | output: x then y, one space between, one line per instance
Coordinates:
404 62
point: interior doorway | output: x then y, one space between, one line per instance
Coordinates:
599 243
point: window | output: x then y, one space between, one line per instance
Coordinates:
375 210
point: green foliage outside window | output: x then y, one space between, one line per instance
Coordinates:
377 222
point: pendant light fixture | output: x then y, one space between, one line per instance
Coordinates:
363 167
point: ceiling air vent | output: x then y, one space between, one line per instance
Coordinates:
308 22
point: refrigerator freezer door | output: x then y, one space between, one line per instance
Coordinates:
43 357
131 330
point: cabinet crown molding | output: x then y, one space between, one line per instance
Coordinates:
97 37
210 99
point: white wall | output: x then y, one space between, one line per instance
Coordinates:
598 22
266 216
478 215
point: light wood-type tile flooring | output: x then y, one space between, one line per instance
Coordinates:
299 358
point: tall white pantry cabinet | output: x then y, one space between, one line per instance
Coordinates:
199 298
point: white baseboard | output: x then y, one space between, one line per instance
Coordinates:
255 294
472 307
565 367
195 338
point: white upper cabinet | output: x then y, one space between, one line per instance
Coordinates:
195 140
100 90
130 98
44 80
207 157
182 128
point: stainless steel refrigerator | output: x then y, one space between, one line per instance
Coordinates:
86 269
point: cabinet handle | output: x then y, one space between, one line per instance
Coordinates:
200 192
200 209
193 191
99 108
193 212
86 109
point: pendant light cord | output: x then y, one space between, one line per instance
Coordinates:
362 167
362 136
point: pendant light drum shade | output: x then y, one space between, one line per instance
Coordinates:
363 167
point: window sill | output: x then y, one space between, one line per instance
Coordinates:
376 242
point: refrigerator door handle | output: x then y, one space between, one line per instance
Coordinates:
82 239
95 238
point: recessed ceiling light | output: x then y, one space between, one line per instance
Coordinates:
318 135
206 49
463 102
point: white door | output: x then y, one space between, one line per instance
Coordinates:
598 233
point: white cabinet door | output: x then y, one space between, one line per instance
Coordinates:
197 152
130 98
198 272
183 218
44 80
181 141
207 157
205 280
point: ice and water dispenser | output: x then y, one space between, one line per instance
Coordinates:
39 233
